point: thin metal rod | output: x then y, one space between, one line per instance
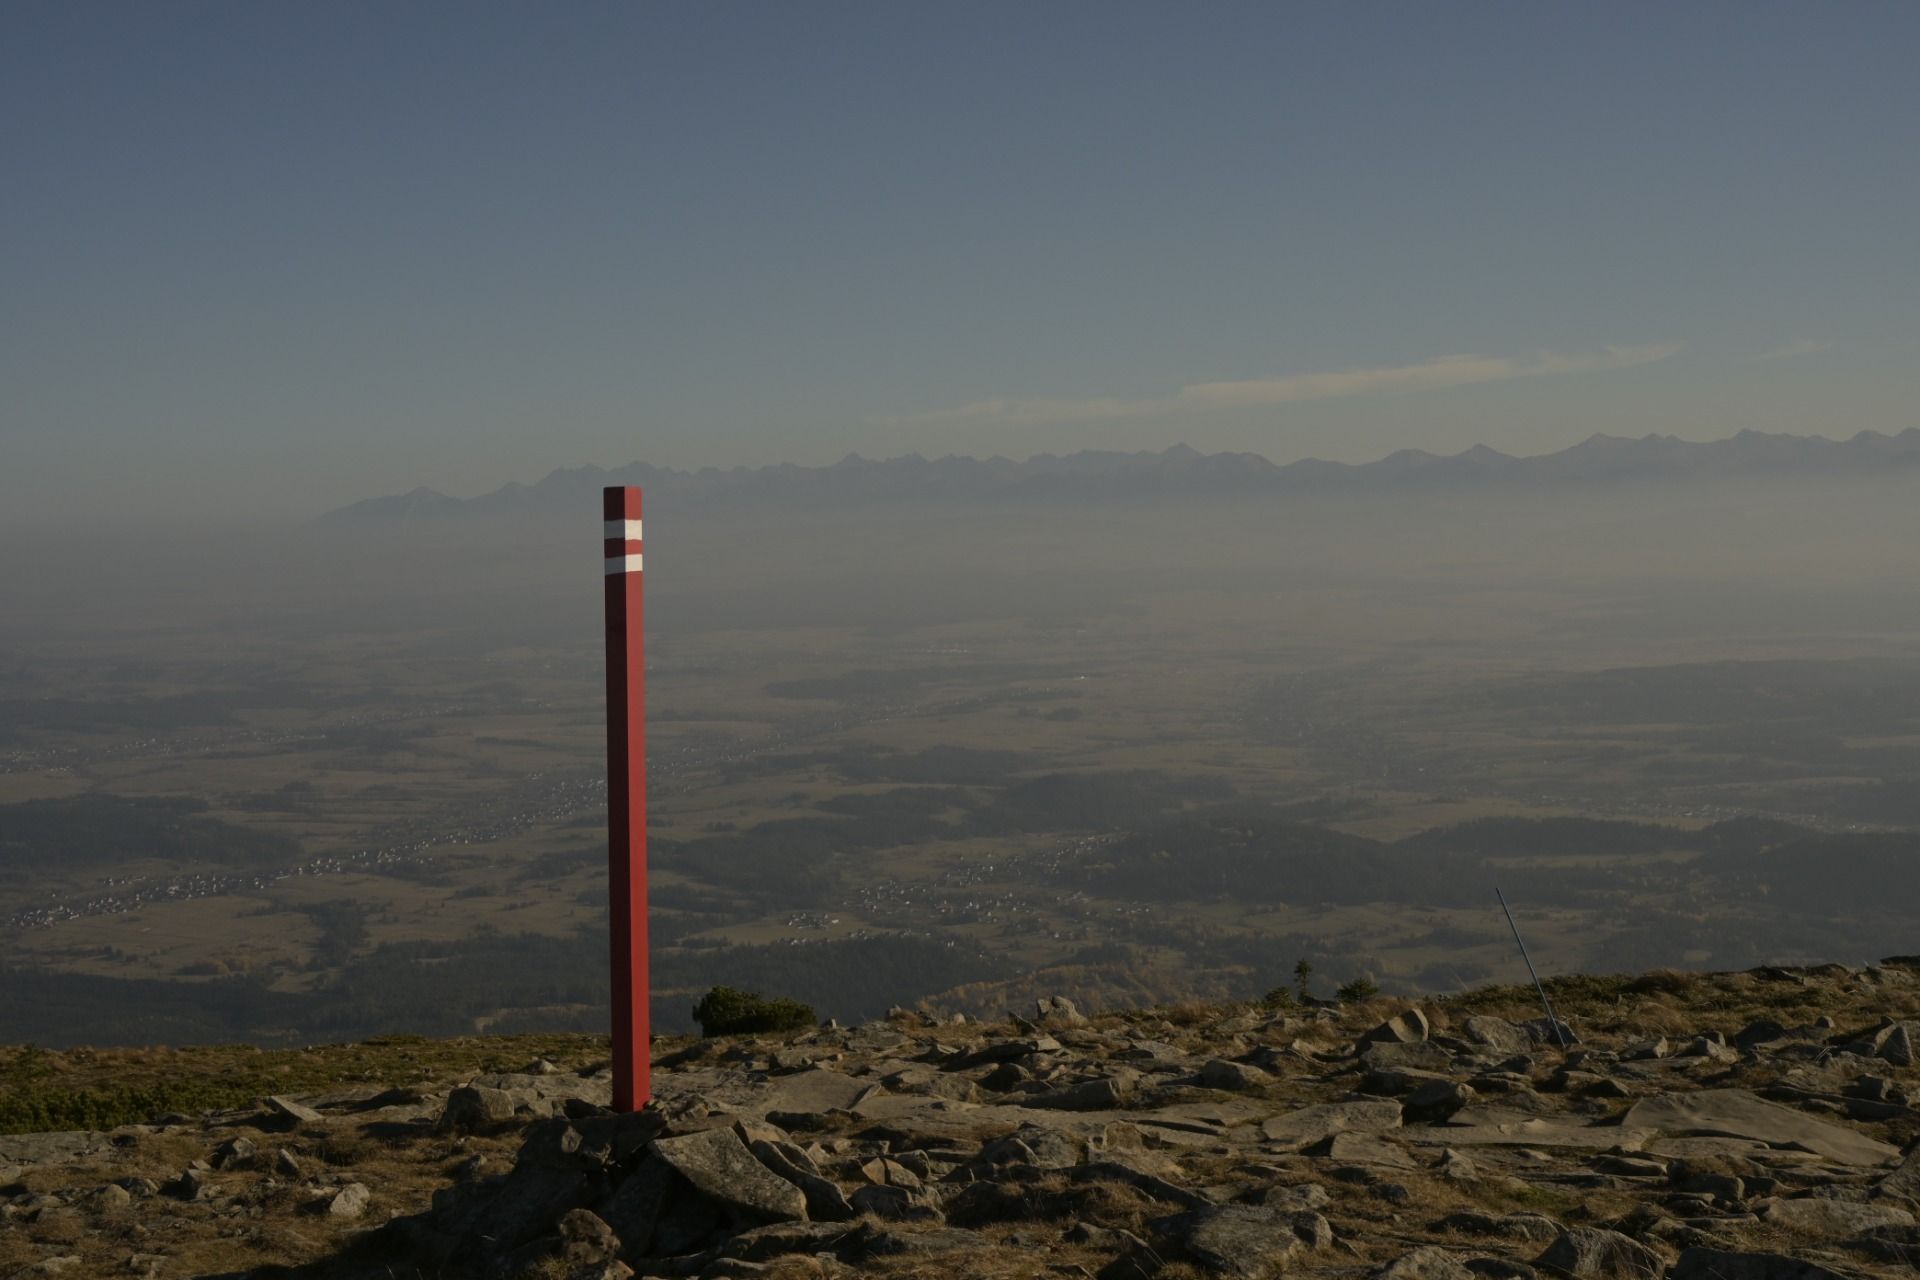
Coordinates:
1545 1003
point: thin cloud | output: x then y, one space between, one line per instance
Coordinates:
1429 375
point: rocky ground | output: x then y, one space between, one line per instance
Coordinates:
1747 1126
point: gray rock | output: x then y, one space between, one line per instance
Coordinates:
1405 1028
1006 1051
815 1091
110 1199
476 1109
1737 1113
1592 1253
1497 1034
825 1201
286 1165
1895 1045
1708 1048
297 1113
1302 1128
720 1165
1058 1011
586 1240
634 1208
1425 1263
1149 1051
1243 1240
1501 1269
1542 1032
349 1202
1362 1149
1041 1148
1822 1216
1219 1073
1904 1182
234 1152
1300 1197
1437 1099
1103 1094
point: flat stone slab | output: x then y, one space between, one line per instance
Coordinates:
816 1090
1736 1113
930 1118
1714 1148
51 1148
1308 1125
1503 1127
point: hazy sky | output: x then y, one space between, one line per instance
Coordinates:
254 254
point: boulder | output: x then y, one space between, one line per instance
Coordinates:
234 1152
1895 1044
476 1109
1058 1011
349 1202
1241 1240
1903 1182
825 1201
294 1112
1437 1099
1404 1028
1497 1035
720 1166
1219 1073
109 1200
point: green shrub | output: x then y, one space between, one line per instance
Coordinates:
1361 988
726 1011
1278 998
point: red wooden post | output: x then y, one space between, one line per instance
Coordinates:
627 800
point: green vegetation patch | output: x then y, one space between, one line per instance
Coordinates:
727 1011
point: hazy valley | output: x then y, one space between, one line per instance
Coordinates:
1131 728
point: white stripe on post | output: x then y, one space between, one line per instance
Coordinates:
625 530
623 564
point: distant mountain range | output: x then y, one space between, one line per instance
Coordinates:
1177 472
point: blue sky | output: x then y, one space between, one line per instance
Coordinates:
255 256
